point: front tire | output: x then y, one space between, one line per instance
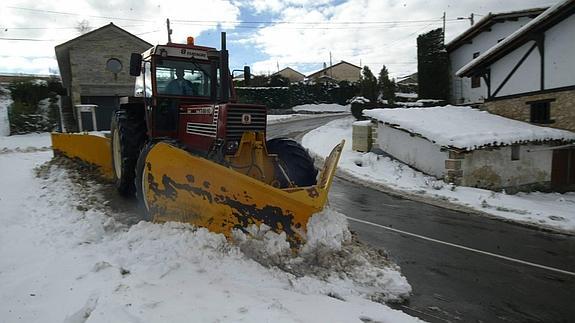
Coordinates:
128 132
294 160
141 183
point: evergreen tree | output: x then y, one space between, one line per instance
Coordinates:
432 66
386 85
368 85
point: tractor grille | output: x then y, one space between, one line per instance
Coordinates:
242 119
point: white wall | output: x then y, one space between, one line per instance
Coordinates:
526 78
412 150
560 54
496 166
461 91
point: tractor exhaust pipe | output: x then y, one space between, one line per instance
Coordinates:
224 70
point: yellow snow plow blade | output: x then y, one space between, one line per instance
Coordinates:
178 186
89 148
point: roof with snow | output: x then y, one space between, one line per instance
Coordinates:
544 21
466 128
486 22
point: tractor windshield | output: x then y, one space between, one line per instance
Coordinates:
183 78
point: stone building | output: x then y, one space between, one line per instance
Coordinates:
95 70
342 71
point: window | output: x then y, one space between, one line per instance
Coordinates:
183 78
475 80
114 65
540 111
515 149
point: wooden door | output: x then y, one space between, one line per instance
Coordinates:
563 169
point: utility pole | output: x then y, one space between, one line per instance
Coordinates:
330 69
443 27
169 30
471 19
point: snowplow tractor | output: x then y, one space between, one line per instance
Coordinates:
191 153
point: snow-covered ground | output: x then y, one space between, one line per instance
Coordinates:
66 257
549 210
322 108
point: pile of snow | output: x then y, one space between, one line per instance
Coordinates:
60 244
27 142
550 210
410 104
465 127
322 107
5 101
406 95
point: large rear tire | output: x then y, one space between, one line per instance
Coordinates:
294 160
128 130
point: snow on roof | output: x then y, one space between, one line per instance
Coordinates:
464 127
509 39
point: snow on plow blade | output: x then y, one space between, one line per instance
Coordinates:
178 186
92 149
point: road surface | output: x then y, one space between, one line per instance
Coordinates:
451 284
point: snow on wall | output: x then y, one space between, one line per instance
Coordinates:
559 53
526 78
415 151
494 168
461 90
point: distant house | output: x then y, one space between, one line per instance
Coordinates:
470 147
483 35
95 70
530 76
407 85
342 71
292 75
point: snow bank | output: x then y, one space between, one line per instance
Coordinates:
27 142
65 257
465 127
322 107
550 210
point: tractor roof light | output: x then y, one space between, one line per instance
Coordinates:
191 40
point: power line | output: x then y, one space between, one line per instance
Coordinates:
59 28
217 22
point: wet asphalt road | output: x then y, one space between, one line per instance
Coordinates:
451 284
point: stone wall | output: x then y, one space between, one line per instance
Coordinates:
562 110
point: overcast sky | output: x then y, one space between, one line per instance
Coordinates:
264 34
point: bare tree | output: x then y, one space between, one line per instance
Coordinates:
83 26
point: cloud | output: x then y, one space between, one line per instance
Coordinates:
346 30
52 23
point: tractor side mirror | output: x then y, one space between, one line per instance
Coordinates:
247 75
135 64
